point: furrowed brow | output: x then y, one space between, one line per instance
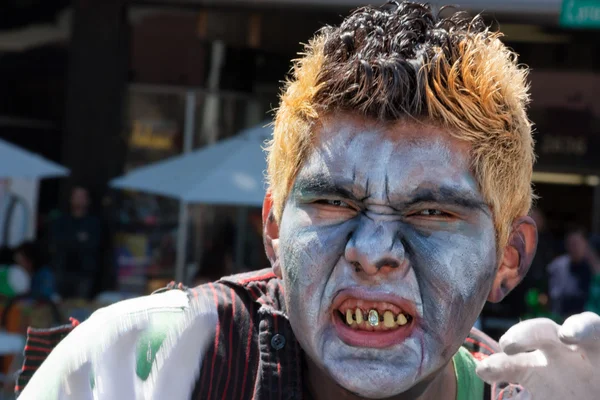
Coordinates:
449 196
321 185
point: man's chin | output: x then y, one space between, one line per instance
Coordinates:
373 381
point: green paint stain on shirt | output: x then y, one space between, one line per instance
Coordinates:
151 341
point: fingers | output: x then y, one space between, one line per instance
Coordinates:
502 367
581 329
539 333
183 354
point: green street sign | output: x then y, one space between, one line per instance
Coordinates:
580 13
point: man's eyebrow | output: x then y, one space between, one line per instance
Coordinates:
447 195
323 185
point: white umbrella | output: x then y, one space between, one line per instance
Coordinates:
18 163
228 172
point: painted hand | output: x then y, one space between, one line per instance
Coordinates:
550 361
105 357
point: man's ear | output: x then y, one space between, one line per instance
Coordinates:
271 234
516 258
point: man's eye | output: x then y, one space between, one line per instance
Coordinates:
432 212
334 203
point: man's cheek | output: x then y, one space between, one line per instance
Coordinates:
454 276
309 254
298 215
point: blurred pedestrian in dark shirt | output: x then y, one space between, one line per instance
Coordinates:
571 274
75 241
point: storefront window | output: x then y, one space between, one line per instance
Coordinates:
146 238
147 224
217 249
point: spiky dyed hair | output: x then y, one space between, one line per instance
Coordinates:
401 61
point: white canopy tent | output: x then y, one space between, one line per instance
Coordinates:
16 162
230 172
24 170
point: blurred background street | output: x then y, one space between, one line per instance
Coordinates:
150 115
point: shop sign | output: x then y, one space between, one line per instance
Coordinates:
564 145
567 140
153 135
580 14
568 151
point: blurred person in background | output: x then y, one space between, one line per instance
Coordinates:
15 280
28 274
570 274
14 218
75 241
30 257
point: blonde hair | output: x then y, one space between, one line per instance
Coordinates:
402 61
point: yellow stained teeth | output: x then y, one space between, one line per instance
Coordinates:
359 316
356 317
373 318
388 319
349 317
402 320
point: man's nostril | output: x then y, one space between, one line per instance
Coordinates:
387 262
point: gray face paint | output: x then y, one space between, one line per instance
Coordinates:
360 201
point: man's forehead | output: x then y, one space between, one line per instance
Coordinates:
368 163
353 132
352 146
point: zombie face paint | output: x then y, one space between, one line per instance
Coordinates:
387 253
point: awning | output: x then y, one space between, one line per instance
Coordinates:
16 162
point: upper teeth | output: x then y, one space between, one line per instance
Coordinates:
359 316
373 318
401 319
388 319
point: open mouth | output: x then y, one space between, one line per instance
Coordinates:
372 323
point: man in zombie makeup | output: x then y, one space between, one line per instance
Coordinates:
399 187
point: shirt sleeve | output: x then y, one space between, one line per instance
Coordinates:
38 346
49 353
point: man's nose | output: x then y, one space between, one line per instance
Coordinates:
376 248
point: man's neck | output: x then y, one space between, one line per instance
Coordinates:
321 387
